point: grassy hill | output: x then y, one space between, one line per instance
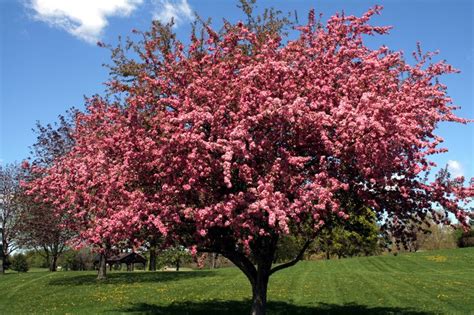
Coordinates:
422 283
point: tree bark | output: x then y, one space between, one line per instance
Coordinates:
53 265
102 274
2 259
259 289
214 260
56 250
258 275
152 266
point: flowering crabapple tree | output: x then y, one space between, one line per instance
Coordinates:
40 227
241 137
93 184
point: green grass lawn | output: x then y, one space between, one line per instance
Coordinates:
422 283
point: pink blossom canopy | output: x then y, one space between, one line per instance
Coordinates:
246 138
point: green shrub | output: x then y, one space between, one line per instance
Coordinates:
465 239
19 263
82 259
36 259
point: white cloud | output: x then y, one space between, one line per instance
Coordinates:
178 10
455 168
85 19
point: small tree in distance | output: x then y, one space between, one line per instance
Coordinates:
175 256
242 138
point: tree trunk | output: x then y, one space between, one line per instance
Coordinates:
328 256
3 251
2 259
177 265
47 256
258 276
259 292
152 266
53 265
214 260
2 270
102 275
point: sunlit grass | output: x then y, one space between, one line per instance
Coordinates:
421 283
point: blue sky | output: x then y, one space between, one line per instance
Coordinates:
49 60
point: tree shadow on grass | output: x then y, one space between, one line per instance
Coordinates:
274 308
129 277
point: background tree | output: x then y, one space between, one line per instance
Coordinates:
233 142
106 216
10 176
434 236
35 259
175 256
41 229
53 140
153 242
358 235
82 259
153 245
40 226
288 247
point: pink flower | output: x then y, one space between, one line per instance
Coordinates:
25 164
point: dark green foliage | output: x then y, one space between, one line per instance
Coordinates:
288 248
356 236
36 259
19 263
82 259
465 239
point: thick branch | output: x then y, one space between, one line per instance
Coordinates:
243 263
294 261
12 248
61 248
238 259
